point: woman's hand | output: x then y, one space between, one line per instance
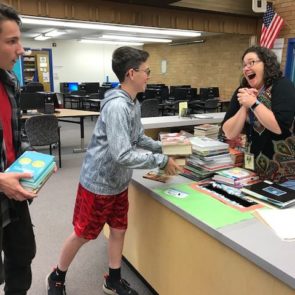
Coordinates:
247 97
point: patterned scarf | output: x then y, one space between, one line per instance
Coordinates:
264 97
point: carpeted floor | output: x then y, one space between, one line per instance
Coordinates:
52 216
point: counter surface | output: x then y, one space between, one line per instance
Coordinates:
251 238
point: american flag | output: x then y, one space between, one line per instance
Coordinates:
272 24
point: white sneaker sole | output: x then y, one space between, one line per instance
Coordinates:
46 283
108 291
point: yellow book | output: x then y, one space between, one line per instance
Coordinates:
182 107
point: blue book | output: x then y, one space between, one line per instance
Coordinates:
38 164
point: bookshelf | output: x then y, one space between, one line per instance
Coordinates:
29 68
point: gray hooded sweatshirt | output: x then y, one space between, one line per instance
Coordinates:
112 153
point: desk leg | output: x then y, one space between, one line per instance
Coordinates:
82 147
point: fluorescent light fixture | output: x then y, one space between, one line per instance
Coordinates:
110 42
55 33
130 38
99 26
41 37
187 42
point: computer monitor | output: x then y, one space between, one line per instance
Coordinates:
102 91
213 92
73 86
91 87
31 101
204 93
66 87
183 93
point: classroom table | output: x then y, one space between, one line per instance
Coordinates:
71 113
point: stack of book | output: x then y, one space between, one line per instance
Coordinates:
208 156
236 177
176 145
237 156
209 130
40 165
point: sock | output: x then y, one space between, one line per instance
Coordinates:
58 275
114 274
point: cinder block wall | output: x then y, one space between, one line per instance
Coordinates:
216 62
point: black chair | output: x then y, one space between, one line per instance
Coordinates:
94 102
209 105
171 108
44 130
150 108
75 98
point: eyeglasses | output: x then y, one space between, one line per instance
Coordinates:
147 71
251 63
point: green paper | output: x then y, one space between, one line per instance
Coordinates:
202 206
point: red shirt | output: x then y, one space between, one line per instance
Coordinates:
5 118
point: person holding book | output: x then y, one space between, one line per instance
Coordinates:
16 233
111 156
264 107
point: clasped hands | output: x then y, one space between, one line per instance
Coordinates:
247 97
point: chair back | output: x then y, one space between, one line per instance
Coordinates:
42 130
94 96
150 108
211 104
78 92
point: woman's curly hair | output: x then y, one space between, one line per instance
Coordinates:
272 70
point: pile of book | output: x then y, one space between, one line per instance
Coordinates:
40 165
237 156
177 145
208 156
208 130
236 177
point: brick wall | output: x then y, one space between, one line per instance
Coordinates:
286 9
216 62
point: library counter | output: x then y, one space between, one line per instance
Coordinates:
180 254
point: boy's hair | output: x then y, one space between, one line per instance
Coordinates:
126 58
8 13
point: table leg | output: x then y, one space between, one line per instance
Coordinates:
82 147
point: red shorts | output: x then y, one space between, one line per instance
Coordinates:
92 211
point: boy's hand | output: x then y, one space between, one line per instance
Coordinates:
172 168
11 187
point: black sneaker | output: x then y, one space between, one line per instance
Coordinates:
55 287
121 287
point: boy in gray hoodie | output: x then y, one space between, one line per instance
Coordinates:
111 156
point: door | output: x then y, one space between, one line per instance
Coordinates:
43 69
